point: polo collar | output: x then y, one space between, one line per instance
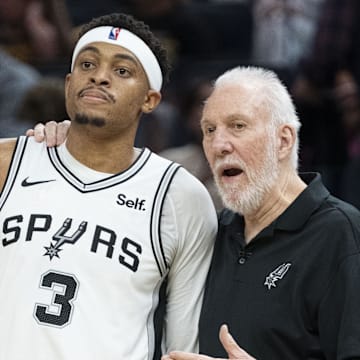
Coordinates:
309 200
296 215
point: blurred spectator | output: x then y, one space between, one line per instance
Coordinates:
232 22
35 31
44 101
154 130
15 78
191 155
332 69
283 31
183 33
82 11
328 84
347 98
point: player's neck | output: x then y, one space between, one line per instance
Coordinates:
105 156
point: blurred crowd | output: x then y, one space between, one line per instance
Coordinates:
313 45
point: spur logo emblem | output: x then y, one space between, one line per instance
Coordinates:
60 238
277 274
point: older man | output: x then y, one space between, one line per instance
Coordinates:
285 272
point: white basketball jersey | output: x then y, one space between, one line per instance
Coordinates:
81 265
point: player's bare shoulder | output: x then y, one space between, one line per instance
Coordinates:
7 147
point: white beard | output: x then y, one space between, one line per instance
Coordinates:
247 199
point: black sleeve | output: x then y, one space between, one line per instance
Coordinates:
339 312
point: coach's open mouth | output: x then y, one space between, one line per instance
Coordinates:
231 172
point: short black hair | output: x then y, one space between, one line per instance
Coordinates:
138 28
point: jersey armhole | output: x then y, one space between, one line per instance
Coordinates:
13 168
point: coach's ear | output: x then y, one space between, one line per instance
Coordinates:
287 138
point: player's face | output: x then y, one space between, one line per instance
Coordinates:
241 148
109 84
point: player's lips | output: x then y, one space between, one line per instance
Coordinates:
96 95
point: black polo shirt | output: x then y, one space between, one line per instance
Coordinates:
294 291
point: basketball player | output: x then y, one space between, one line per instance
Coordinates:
104 247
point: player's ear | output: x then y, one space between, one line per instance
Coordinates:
67 82
152 100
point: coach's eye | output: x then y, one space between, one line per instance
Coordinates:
239 126
207 130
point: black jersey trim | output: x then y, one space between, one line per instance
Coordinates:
156 322
108 182
155 221
14 168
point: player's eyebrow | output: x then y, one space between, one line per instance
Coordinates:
117 56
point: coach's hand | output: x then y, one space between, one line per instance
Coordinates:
235 352
54 133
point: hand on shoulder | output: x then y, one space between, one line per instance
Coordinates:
54 133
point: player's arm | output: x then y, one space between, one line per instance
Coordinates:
54 133
193 220
233 350
7 147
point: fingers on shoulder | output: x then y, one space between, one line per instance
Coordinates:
62 131
39 132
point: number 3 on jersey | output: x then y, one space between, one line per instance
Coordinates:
64 288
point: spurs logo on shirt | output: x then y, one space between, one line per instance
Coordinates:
276 275
61 238
66 234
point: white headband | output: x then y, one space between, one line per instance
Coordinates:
128 40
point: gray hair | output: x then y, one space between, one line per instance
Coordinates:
273 95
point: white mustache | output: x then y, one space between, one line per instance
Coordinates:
229 162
